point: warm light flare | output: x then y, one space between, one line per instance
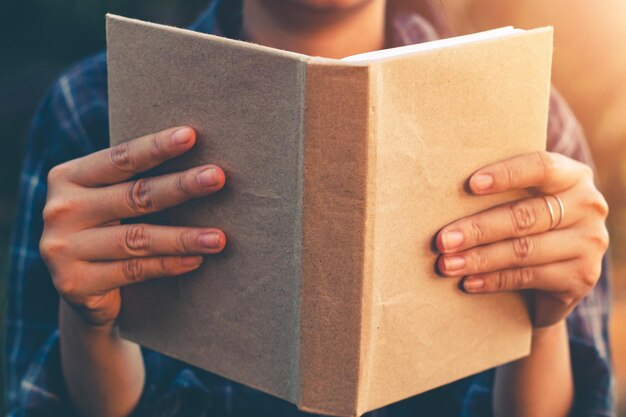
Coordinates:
590 71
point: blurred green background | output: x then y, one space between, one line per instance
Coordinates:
38 39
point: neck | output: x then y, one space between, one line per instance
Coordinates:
328 32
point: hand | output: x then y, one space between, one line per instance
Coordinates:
90 254
511 247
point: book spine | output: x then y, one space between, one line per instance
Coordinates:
334 219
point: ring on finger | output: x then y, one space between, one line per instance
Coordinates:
561 209
553 221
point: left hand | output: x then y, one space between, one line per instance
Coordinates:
516 246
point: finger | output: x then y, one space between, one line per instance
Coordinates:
516 219
544 171
519 252
552 277
121 162
106 276
144 240
150 195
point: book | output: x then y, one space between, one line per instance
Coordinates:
339 174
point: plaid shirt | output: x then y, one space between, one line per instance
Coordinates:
72 121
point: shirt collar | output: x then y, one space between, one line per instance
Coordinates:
221 17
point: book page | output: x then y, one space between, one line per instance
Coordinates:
428 46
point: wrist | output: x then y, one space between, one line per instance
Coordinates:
71 321
104 373
548 334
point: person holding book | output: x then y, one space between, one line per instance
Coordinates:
72 251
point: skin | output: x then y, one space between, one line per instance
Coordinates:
91 254
330 28
510 247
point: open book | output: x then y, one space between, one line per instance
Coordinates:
339 174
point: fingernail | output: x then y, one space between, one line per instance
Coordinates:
453 263
481 182
211 240
451 240
473 284
209 177
182 136
191 260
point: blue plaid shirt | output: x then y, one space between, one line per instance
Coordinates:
72 120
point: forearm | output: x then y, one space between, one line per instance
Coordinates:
540 384
103 372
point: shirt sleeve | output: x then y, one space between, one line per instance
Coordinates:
60 131
587 324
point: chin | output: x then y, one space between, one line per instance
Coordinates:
327 5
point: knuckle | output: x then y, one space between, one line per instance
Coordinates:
185 182
525 277
183 243
522 248
67 287
163 266
600 237
501 281
546 165
523 216
136 239
588 273
155 145
120 157
56 209
133 270
598 204
58 173
476 230
139 196
508 176
158 149
605 238
479 261
570 298
51 248
514 279
93 303
603 207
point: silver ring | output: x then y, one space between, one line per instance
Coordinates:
561 208
545 198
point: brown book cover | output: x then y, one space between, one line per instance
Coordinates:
339 174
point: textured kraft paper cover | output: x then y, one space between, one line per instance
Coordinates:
338 176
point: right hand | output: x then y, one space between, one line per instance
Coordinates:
90 254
